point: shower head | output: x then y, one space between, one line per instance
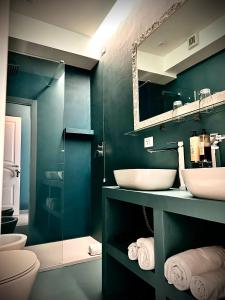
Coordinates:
13 69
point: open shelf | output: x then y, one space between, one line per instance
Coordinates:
181 222
79 131
174 294
118 253
122 284
183 233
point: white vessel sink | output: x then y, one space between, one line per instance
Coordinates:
206 183
145 179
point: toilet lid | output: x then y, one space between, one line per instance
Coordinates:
15 263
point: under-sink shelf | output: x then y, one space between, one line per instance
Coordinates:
119 253
175 294
180 222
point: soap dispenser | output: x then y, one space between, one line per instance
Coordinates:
205 149
195 149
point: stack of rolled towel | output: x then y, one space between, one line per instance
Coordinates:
143 252
201 270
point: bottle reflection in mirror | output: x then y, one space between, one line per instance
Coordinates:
203 94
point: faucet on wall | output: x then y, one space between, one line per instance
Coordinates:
179 147
215 139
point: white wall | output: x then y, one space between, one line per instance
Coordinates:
4 27
38 32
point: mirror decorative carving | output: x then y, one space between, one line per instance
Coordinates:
178 63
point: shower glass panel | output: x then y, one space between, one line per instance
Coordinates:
35 93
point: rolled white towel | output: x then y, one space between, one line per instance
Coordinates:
133 251
146 253
209 286
95 249
179 269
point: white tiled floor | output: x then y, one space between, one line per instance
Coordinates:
57 254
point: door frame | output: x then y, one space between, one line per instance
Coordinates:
33 154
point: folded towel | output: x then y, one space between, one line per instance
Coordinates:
146 254
95 249
179 268
133 251
209 286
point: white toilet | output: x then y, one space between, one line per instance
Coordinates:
17 274
12 241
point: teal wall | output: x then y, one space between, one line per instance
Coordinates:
77 180
112 83
23 112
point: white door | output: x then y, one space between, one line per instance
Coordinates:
11 171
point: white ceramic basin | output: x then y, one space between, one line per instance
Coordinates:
145 179
206 183
12 241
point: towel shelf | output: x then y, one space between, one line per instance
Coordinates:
180 221
121 256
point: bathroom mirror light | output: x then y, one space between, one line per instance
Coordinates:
168 65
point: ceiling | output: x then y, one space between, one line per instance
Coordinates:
81 16
190 18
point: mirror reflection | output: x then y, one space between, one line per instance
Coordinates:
182 61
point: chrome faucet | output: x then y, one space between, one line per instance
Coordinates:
179 147
215 139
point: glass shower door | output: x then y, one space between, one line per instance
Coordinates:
39 85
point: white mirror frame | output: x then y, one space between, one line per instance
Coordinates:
190 108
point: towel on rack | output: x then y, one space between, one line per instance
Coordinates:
95 249
209 286
179 269
146 253
133 251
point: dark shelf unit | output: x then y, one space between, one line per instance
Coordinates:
180 222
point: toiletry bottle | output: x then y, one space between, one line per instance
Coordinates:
195 149
205 149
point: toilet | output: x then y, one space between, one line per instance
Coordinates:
7 211
12 241
8 224
18 271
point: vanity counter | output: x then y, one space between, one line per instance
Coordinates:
173 200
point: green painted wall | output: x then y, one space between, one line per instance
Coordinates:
112 83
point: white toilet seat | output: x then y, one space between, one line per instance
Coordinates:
15 264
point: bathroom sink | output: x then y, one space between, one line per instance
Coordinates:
145 179
205 182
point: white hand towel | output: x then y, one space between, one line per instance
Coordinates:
95 249
133 251
209 286
146 253
179 268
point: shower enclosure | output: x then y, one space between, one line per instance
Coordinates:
53 102
35 94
